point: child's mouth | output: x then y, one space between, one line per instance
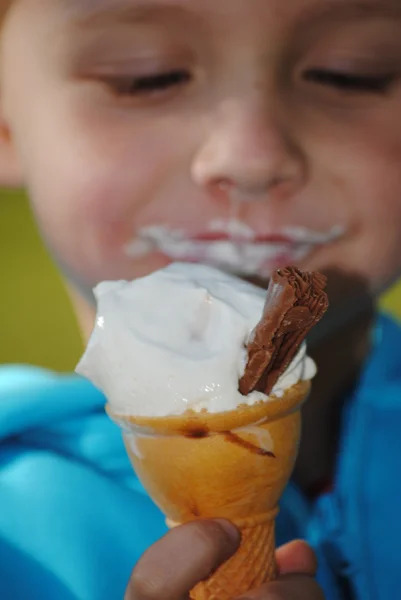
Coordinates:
233 246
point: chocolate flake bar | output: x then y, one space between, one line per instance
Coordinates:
295 302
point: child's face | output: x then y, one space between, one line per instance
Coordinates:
225 131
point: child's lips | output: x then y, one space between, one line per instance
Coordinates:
233 246
238 232
212 236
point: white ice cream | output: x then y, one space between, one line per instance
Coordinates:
175 340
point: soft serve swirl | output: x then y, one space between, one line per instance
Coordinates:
175 340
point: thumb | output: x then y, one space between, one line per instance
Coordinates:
296 557
182 558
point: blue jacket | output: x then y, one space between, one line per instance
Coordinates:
74 519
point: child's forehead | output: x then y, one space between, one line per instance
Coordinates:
143 9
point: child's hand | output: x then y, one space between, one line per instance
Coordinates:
188 554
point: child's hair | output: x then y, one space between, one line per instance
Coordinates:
4 6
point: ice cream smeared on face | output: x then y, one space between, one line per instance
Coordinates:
177 340
232 245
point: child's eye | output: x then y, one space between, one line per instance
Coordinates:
149 84
350 82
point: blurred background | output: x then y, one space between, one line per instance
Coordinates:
37 325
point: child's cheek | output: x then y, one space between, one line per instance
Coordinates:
365 165
88 215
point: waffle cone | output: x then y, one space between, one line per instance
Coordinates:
232 465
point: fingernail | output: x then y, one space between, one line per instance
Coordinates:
230 529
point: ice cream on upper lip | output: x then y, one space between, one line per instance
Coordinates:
232 245
176 340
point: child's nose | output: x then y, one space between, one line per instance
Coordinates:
250 152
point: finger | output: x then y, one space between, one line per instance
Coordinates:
185 556
288 587
296 557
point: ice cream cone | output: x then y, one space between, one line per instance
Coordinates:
231 465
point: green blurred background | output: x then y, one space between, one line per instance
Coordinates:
37 324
